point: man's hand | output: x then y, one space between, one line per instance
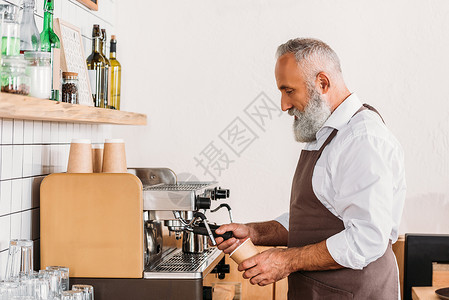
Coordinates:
267 267
240 231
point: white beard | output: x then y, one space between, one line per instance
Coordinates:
307 123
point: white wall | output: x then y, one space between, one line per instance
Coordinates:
193 66
30 150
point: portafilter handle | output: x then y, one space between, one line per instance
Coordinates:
201 229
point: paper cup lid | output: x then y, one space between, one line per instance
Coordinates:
80 141
97 146
238 247
111 141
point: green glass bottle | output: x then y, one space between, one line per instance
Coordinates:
98 69
49 39
50 42
116 74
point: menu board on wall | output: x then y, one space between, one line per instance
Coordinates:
73 59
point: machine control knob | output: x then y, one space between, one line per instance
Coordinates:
220 193
202 202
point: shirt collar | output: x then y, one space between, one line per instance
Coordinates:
341 115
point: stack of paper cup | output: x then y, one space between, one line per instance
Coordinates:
80 156
244 251
97 158
114 158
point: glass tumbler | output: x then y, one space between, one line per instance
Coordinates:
64 273
54 278
87 290
20 258
72 295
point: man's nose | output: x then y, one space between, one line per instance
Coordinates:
285 105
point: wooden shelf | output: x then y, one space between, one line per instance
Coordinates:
29 108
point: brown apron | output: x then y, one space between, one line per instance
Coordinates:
310 223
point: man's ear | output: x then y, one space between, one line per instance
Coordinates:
322 82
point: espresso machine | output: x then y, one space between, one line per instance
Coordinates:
113 231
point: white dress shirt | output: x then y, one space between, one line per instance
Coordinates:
360 178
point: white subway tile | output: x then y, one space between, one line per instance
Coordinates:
64 158
17 161
5 197
16 225
46 132
26 225
62 132
27 160
16 195
6 162
69 132
28 127
1 130
54 132
3 262
5 232
18 132
37 160
37 132
76 131
27 193
46 159
7 127
54 159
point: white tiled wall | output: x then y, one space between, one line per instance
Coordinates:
30 150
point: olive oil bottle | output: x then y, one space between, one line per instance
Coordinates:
116 74
98 69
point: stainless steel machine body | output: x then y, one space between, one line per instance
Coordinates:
180 206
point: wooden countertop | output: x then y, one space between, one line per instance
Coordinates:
425 293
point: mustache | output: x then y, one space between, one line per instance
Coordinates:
293 111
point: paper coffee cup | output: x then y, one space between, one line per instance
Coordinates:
97 158
244 251
80 156
114 158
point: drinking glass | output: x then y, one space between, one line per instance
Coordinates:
8 290
64 276
72 295
54 278
42 288
87 290
20 258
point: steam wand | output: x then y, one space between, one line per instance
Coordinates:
227 207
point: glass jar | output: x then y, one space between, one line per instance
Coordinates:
39 70
13 77
70 87
10 31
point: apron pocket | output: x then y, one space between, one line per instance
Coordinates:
301 286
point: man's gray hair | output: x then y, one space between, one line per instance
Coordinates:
313 56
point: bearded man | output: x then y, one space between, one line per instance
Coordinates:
347 194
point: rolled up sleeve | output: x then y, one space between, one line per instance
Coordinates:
364 199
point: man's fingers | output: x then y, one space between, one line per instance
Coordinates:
248 263
227 227
229 245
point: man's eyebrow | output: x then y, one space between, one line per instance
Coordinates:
283 87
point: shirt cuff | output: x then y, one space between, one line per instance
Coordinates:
341 252
283 220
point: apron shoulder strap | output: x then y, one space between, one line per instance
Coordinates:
334 132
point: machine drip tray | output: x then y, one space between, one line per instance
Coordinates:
179 265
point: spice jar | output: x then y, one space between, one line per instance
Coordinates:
70 87
39 71
13 77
